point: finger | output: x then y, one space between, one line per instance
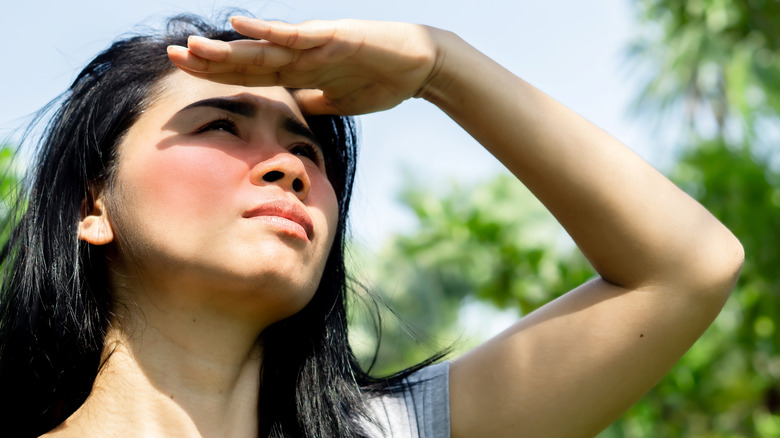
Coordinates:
247 52
295 36
233 78
186 60
313 102
271 79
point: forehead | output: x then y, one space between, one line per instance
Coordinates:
179 89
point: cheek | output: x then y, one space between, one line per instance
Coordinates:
184 180
327 202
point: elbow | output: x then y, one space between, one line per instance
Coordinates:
719 270
734 259
737 260
739 256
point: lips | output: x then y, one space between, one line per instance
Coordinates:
273 211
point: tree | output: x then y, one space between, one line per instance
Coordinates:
717 63
10 176
714 61
490 242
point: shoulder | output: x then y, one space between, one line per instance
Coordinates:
59 432
418 408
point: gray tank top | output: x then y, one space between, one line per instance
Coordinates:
422 409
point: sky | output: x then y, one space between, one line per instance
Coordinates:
573 50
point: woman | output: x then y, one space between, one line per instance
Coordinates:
197 262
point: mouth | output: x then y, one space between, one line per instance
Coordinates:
285 216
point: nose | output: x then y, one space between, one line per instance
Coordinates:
284 170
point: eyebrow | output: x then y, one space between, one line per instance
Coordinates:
239 107
248 109
294 126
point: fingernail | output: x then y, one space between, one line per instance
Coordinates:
174 48
197 38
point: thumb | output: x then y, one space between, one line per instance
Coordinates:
313 102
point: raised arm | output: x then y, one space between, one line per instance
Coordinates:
666 265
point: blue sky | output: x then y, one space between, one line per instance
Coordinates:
571 49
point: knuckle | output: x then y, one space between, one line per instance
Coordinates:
293 38
259 58
222 52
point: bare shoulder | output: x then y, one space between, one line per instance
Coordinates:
61 432
66 430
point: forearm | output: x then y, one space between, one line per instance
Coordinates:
634 225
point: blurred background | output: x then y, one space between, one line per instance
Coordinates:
456 246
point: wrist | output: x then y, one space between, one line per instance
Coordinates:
440 77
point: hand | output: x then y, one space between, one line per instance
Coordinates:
343 67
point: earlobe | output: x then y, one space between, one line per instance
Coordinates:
94 226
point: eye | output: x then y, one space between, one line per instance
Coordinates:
222 124
310 151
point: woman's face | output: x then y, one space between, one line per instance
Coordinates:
221 195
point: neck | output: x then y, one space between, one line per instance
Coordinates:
174 374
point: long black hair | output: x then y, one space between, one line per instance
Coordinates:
55 303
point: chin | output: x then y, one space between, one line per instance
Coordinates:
270 295
262 282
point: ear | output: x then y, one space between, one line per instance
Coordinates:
94 226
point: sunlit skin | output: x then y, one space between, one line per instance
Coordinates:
200 291
188 181
222 218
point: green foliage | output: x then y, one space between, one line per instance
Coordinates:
717 58
493 242
728 384
9 189
496 243
718 63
